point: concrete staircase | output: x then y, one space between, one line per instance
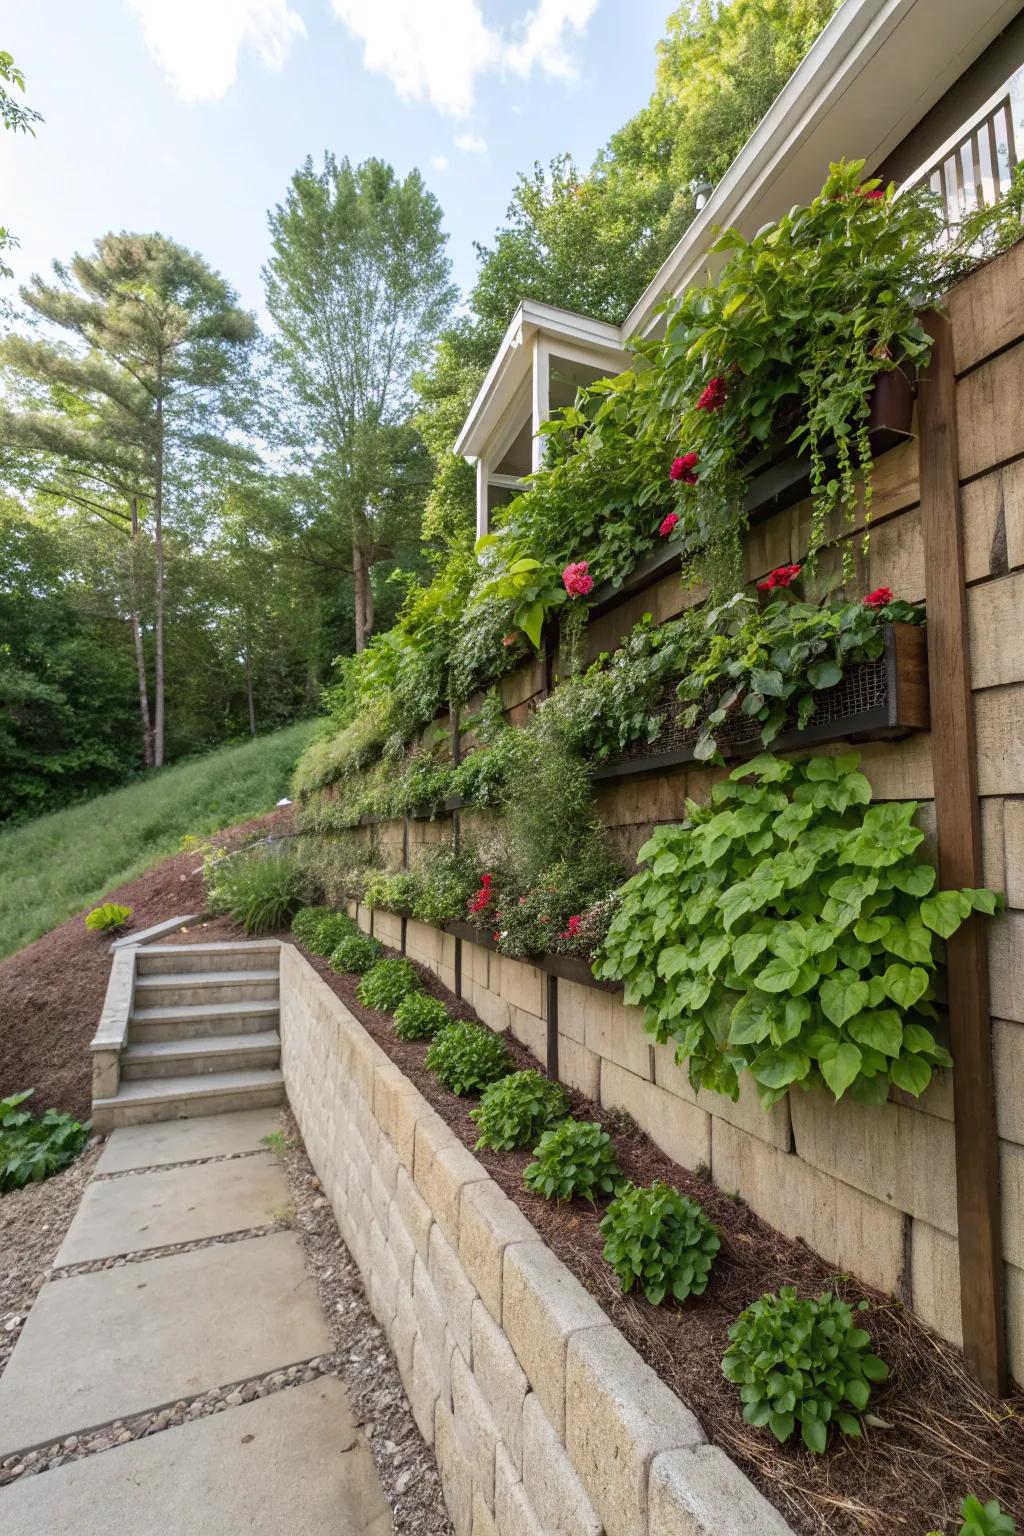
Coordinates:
201 1034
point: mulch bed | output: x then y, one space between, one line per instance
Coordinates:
946 1438
51 992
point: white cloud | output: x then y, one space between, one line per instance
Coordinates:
434 50
472 143
197 42
439 162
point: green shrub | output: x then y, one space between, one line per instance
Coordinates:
108 917
30 1149
802 1362
394 892
355 953
659 1238
982 1519
387 984
258 890
445 880
574 1158
306 922
332 928
467 1058
420 1017
516 1111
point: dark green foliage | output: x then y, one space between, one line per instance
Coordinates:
574 1158
445 879
321 928
982 1519
108 917
392 892
260 890
31 1149
355 953
420 1017
656 1237
467 1057
803 1363
387 984
517 1110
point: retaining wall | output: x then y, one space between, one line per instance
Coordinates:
542 1417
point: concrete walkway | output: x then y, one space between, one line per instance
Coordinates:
152 1336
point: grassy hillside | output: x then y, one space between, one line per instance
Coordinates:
55 866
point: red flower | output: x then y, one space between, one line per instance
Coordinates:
870 195
483 896
713 395
782 576
879 598
683 469
572 929
495 936
577 579
668 524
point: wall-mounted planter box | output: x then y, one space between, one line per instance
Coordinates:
884 698
569 967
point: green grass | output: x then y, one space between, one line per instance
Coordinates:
55 866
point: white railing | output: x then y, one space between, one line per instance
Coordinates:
973 169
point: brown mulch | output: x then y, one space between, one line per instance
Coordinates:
51 992
945 1437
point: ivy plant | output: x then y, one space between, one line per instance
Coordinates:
657 1238
803 1363
420 1017
574 1158
387 983
788 928
467 1058
517 1110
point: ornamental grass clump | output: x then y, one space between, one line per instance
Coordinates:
659 1239
575 1158
354 954
387 983
467 1058
517 1110
803 1363
788 929
420 1017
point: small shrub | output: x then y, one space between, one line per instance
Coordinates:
445 880
982 1519
467 1058
800 1362
30 1149
420 1017
516 1111
659 1238
108 917
574 1158
394 892
321 929
387 984
260 891
355 953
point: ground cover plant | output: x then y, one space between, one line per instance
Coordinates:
467 1058
107 918
517 1110
574 1159
803 1363
981 1519
31 1149
788 929
420 1017
656 1238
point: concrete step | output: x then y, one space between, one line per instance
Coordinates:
173 989
248 955
201 1021
190 1057
175 1098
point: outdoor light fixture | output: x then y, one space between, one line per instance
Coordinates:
701 190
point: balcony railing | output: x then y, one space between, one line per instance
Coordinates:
974 170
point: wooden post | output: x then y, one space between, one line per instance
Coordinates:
552 1019
958 824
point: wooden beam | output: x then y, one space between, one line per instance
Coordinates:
552 1022
958 825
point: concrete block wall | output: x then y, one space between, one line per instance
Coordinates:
542 1417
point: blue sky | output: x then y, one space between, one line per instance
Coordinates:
189 116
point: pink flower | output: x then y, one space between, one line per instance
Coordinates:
879 598
782 576
668 524
510 639
496 936
713 395
577 579
683 469
572 928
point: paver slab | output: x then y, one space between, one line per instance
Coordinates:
293 1461
179 1141
102 1346
174 1205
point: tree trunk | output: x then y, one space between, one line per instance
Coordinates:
158 549
248 691
140 655
361 577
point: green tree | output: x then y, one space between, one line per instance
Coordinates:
359 287
16 117
126 404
